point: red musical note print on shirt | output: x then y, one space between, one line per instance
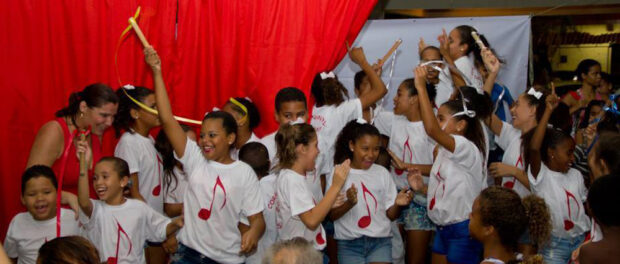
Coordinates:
319 236
120 230
568 223
511 184
157 188
204 213
366 220
406 148
441 184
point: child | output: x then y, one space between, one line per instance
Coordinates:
409 144
255 154
118 226
362 223
457 49
247 117
297 213
29 230
603 201
331 111
70 249
499 217
440 79
457 175
220 189
500 95
550 155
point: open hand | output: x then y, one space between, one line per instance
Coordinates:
404 197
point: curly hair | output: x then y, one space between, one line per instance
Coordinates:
328 91
287 138
351 133
123 120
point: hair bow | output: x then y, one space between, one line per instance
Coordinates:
129 87
361 121
325 75
535 93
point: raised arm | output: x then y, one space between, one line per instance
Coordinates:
83 189
493 65
539 134
377 87
431 126
170 125
457 79
313 217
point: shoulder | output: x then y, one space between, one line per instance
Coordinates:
378 169
20 218
51 130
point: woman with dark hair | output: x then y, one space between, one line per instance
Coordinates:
92 109
589 74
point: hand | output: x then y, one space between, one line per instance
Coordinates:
341 171
498 170
444 49
70 199
249 240
179 221
420 77
340 200
397 163
152 59
490 60
378 67
357 55
552 100
170 245
421 45
84 147
575 255
404 197
414 177
352 195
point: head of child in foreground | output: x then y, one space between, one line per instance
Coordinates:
255 154
111 176
603 201
604 158
359 142
291 106
69 249
39 188
499 213
217 134
297 144
406 97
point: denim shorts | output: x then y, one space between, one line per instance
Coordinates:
415 217
559 250
365 250
186 255
456 244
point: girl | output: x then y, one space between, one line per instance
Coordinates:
457 174
247 117
331 111
589 74
457 48
94 107
550 155
500 95
297 212
220 189
29 230
605 88
175 179
498 219
409 144
71 249
119 227
363 229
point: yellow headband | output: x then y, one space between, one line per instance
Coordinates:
240 105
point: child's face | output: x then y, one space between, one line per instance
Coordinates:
562 155
39 197
149 119
447 123
291 111
595 112
476 229
365 151
214 141
455 47
228 108
402 100
431 55
107 183
522 112
604 87
311 151
364 87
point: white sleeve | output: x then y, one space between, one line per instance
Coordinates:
383 122
191 156
583 191
507 135
538 184
464 152
390 190
128 153
156 224
10 245
300 197
89 223
252 200
350 110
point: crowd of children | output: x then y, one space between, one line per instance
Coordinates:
447 176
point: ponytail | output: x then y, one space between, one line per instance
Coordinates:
95 95
539 220
123 121
287 139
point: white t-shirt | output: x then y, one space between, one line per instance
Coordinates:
328 121
268 191
295 198
444 88
456 180
234 152
121 231
376 192
564 195
509 140
175 193
140 154
472 76
408 140
597 234
270 143
26 235
216 196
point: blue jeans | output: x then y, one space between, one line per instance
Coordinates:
186 255
365 250
454 242
559 249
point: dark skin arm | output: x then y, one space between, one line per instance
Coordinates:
539 134
339 211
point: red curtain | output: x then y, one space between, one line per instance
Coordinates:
220 49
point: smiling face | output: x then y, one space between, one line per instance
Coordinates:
291 111
561 156
150 120
365 151
455 47
107 182
99 118
39 198
308 153
522 112
403 101
214 141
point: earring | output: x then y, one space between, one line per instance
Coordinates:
462 50
81 114
136 117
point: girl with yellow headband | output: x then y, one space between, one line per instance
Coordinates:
247 117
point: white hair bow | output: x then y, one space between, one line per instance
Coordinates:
214 109
361 121
535 93
325 75
297 121
129 87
